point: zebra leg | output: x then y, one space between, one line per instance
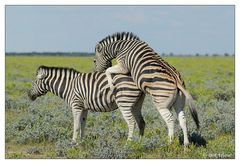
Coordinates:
168 118
182 122
179 106
136 111
114 69
163 103
127 115
76 111
83 119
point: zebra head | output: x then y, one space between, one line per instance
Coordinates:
102 67
108 48
38 85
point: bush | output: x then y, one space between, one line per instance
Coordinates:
40 125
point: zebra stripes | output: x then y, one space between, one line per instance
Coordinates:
150 73
90 91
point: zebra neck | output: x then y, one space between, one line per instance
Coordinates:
55 89
61 86
121 50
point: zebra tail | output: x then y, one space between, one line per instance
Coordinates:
190 102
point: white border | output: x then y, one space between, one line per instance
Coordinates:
115 2
2 83
120 2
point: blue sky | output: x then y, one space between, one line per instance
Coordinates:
176 29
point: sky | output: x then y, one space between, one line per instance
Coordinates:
167 29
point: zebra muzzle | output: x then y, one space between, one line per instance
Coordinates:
31 97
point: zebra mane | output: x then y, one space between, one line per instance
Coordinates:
119 36
57 68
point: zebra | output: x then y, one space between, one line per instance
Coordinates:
151 74
83 92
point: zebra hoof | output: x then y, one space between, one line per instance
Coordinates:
170 140
186 144
141 139
128 142
74 143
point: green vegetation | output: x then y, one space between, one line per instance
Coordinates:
43 129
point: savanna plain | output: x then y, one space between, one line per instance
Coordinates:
43 128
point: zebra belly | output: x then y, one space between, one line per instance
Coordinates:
126 91
101 102
111 107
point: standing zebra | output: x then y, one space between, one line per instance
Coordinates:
150 73
83 92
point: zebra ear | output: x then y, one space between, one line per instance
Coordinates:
41 75
98 48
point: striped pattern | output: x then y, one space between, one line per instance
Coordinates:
90 91
150 73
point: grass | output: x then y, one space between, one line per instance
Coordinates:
43 129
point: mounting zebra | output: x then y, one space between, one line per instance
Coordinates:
150 73
84 91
